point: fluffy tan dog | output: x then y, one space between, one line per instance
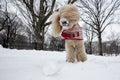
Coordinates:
65 20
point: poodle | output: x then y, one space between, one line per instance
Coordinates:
65 24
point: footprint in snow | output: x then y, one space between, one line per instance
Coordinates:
50 69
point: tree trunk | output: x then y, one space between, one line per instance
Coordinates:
39 39
90 45
100 44
39 44
8 37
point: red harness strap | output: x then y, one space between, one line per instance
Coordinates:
74 33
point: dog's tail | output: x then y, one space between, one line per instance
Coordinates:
56 28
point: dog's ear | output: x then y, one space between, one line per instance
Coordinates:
56 27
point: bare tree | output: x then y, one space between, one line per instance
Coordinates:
38 17
90 35
114 39
98 14
9 23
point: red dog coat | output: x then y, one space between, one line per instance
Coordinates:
74 33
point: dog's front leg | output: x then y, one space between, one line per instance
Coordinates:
80 51
70 51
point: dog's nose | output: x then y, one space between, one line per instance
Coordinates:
64 22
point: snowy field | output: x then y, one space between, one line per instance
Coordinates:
50 65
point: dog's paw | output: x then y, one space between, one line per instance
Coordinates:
81 57
70 60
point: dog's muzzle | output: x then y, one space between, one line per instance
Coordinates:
64 22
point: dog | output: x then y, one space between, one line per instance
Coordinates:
65 24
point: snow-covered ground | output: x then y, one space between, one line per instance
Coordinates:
50 65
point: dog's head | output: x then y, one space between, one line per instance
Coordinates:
66 17
69 15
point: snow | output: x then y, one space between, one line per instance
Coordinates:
51 65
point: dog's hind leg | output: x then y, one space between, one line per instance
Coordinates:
70 52
80 51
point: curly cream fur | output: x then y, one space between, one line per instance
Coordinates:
75 48
56 25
